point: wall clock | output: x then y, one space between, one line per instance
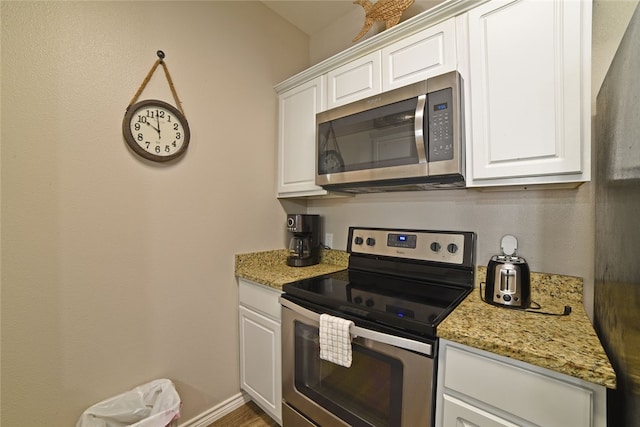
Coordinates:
156 130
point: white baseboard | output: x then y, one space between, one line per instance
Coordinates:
208 417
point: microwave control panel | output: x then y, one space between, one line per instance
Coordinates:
440 121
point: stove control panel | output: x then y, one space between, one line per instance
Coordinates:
439 246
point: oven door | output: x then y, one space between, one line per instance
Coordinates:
390 381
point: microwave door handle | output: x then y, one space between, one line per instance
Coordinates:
355 331
419 129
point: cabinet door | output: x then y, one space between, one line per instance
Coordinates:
461 414
260 365
485 389
297 139
420 56
354 81
529 100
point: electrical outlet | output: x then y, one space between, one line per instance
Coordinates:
328 240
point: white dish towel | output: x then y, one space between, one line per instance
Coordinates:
335 340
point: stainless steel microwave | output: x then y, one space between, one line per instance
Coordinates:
409 138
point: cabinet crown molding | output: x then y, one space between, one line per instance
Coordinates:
435 15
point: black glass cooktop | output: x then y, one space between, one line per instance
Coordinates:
416 306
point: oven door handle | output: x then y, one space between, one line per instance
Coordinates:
404 343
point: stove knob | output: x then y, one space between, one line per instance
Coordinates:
435 247
452 248
369 303
358 300
371 241
358 240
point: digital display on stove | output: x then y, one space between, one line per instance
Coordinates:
402 240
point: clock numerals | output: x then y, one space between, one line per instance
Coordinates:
156 130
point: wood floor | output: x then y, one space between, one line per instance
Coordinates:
248 415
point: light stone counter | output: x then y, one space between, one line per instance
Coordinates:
565 344
270 267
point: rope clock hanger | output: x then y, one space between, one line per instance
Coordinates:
154 129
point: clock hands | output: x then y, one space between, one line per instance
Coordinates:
146 144
154 128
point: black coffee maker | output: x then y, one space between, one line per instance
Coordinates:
304 246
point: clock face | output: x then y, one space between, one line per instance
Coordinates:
156 130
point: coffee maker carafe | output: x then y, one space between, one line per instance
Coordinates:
304 246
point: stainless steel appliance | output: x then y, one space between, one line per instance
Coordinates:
399 285
409 138
304 246
508 277
617 235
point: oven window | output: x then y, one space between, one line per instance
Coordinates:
369 393
377 138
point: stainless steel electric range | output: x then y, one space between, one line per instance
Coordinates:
399 286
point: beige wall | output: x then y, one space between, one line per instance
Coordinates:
117 271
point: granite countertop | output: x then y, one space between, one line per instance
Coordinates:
270 267
565 344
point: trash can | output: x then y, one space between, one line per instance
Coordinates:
154 404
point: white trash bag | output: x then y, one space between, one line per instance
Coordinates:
154 404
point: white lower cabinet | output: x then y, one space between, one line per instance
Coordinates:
458 413
260 340
481 389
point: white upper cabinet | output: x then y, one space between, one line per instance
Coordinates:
526 70
528 109
427 53
422 55
297 138
353 81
